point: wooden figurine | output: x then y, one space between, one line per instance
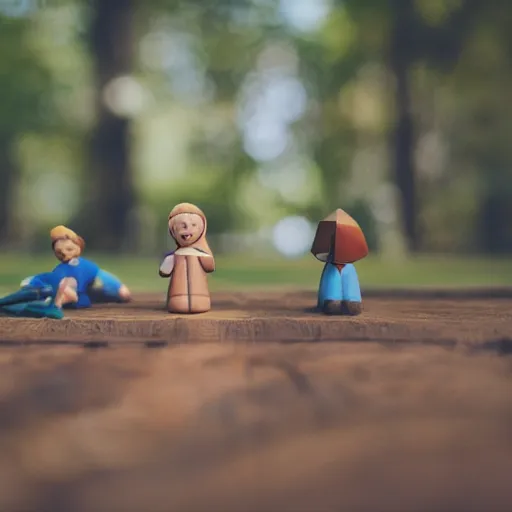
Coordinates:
190 263
339 242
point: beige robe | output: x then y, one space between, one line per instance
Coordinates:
188 268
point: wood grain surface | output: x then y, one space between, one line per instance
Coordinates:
405 409
286 317
259 428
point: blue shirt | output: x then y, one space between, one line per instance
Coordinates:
84 272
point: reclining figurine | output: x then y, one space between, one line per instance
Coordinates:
74 283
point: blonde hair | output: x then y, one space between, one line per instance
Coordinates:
64 233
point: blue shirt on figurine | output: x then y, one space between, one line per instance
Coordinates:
84 272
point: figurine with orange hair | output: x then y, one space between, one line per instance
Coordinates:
93 283
71 283
68 247
339 242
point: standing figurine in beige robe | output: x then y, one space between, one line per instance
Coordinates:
188 265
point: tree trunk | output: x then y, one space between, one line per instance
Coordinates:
8 175
401 58
112 192
494 220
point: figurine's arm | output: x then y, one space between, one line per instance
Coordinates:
167 266
208 263
93 270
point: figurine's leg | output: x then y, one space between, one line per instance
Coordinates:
27 281
42 297
66 292
321 290
32 289
27 294
330 291
352 302
108 288
36 309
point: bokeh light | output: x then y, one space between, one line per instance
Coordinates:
305 15
17 8
292 236
265 139
125 96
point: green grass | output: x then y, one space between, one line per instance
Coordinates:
240 272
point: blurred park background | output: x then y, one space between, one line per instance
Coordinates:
268 114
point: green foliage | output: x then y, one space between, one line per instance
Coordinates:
25 85
458 56
244 272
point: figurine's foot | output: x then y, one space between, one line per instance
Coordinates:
125 294
351 308
332 307
66 293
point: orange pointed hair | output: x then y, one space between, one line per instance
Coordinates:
340 234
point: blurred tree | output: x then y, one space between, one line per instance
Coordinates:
111 195
25 88
414 38
216 46
418 42
328 61
484 119
403 53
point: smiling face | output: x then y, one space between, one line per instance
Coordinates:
66 250
186 228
